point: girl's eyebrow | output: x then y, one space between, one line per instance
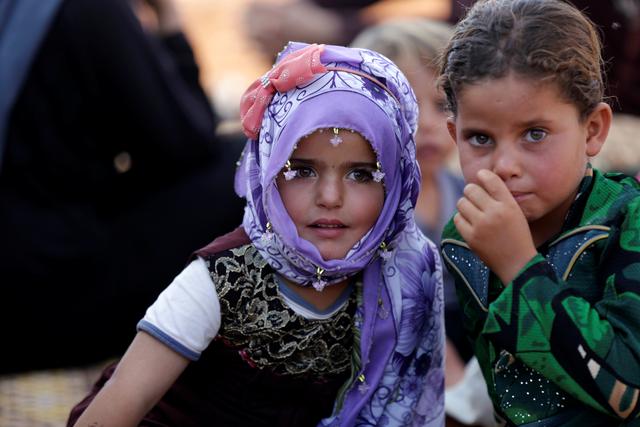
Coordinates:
536 122
472 130
311 162
304 161
371 165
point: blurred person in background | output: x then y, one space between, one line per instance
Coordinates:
111 174
414 44
271 25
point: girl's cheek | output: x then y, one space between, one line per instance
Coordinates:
470 168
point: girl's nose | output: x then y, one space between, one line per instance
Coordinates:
506 161
330 192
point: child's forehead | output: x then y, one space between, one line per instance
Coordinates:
511 76
335 143
511 86
330 132
513 102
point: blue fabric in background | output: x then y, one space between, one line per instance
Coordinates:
23 25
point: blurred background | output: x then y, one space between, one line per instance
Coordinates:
234 42
229 60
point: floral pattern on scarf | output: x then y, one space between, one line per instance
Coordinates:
400 380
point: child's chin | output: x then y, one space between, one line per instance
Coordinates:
329 255
530 216
535 217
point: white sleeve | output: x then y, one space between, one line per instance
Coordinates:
186 315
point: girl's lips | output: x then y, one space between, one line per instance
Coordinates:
328 228
519 196
327 223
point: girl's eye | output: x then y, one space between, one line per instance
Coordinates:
479 140
360 175
535 135
304 172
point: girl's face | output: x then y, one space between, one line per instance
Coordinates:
433 142
333 199
529 136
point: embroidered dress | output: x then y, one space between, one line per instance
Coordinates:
268 366
266 332
559 345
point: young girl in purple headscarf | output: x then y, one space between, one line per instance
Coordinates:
325 307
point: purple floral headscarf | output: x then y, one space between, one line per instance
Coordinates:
342 100
402 283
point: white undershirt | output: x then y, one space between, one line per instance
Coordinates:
186 315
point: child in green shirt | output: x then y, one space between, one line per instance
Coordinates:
545 249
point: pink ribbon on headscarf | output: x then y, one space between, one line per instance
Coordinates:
295 69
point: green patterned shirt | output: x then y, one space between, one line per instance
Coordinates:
560 345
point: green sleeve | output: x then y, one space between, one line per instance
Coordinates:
583 335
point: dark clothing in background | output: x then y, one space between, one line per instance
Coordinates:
112 176
621 51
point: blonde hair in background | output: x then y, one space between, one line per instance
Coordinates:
410 43
407 40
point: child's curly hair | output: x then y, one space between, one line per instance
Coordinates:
548 40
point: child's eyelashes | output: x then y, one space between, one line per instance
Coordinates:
535 135
304 172
479 140
361 175
358 174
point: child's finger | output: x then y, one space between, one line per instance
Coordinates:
493 185
477 195
467 209
463 226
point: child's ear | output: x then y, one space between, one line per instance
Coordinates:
451 126
597 124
